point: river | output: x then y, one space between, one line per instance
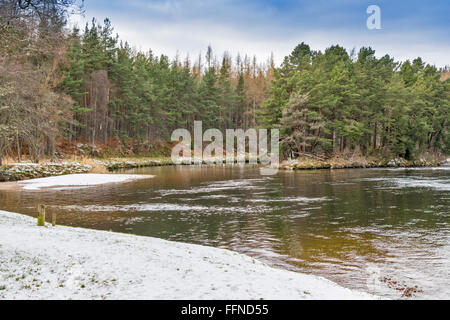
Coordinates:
375 230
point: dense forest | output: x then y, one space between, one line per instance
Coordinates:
60 86
122 94
335 100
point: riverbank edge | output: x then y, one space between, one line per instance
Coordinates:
26 171
69 263
363 163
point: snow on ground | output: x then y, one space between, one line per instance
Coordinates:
79 180
68 263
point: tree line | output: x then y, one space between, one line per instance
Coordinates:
333 101
59 86
120 93
33 113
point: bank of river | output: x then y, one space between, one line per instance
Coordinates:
385 231
68 263
24 171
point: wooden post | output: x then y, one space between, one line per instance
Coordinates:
41 215
54 219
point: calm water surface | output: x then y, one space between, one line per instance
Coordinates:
354 227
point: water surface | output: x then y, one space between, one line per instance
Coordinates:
372 230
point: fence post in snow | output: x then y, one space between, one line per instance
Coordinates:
54 219
41 216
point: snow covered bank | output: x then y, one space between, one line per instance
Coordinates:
74 180
69 263
26 170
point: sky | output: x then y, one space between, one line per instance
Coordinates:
260 27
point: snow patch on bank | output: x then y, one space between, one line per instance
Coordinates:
69 263
77 180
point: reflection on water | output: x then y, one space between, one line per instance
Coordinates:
345 225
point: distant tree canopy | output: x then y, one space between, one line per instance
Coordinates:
145 97
55 11
88 86
33 112
106 92
335 101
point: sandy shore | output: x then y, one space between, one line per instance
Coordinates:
69 263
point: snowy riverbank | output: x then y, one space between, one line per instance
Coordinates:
80 180
70 263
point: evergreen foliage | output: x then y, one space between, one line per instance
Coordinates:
88 86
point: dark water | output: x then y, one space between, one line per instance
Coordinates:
354 227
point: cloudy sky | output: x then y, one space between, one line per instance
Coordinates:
258 27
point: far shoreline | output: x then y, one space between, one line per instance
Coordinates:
11 173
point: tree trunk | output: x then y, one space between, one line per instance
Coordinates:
19 151
335 144
375 133
388 142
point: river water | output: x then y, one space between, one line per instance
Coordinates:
376 230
